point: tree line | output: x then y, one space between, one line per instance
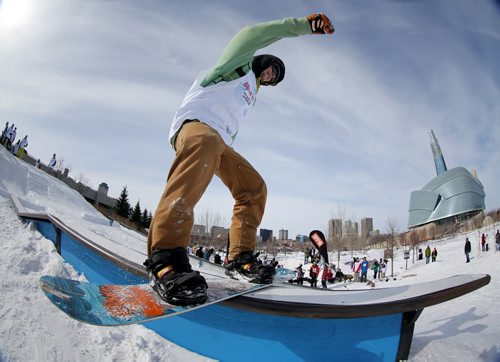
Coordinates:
140 218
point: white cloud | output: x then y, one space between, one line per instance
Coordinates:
98 83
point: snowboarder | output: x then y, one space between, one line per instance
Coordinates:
201 134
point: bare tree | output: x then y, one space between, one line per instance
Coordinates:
61 165
392 232
336 241
82 179
210 219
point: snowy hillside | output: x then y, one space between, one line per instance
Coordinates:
464 329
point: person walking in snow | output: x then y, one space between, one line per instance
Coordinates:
483 242
202 131
467 249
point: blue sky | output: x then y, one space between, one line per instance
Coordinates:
345 134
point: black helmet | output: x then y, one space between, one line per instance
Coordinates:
261 62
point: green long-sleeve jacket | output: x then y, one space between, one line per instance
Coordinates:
240 50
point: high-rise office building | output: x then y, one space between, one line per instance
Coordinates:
366 227
266 235
283 234
335 228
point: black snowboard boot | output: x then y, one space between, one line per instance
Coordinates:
248 265
171 276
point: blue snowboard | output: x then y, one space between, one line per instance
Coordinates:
113 305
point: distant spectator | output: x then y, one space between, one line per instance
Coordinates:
8 136
420 254
483 242
12 136
427 254
375 267
467 249
326 276
37 163
364 270
53 161
15 148
434 254
313 274
356 268
382 267
339 276
497 240
217 259
4 133
21 151
300 275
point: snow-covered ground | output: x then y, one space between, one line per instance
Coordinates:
31 329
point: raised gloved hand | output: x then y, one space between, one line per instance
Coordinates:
320 24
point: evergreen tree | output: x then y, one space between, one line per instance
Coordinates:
150 219
122 206
136 216
145 219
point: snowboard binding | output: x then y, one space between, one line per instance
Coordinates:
171 276
247 266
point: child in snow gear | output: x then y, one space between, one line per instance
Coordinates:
202 131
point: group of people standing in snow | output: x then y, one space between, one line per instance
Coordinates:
429 255
328 274
18 149
484 245
8 137
360 269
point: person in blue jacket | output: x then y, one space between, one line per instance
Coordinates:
364 269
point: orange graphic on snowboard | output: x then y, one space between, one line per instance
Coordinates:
128 301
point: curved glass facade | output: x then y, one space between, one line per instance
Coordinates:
453 192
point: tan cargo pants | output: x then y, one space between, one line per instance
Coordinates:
200 154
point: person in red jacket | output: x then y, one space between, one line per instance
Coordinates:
326 276
313 274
